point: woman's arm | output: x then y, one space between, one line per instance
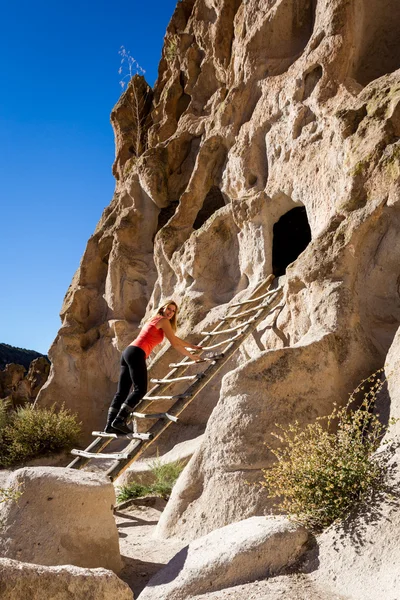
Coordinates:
188 344
175 341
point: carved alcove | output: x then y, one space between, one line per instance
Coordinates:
291 235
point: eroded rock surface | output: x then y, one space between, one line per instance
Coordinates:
259 108
18 386
62 517
360 557
22 580
241 552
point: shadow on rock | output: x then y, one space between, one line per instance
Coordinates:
375 508
133 521
137 573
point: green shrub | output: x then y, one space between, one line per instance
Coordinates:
164 475
30 432
133 490
171 47
9 494
322 469
4 410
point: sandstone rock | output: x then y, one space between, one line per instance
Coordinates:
278 386
20 580
251 549
37 375
361 557
62 517
10 377
19 387
289 587
259 108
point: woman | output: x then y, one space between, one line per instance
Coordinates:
133 365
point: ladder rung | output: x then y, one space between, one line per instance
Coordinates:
155 416
113 455
222 331
131 436
176 397
196 362
232 339
189 377
270 293
244 314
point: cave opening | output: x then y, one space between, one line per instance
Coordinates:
378 25
212 202
291 235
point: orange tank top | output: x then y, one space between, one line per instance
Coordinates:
149 336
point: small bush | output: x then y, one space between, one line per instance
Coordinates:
171 47
9 494
133 490
165 476
29 432
4 411
324 468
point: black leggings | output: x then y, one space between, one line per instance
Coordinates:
133 373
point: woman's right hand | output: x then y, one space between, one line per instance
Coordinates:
197 357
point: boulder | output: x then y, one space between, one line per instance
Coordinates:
63 516
219 484
245 551
19 580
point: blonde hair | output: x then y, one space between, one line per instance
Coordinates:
160 311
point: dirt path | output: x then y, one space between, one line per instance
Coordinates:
144 555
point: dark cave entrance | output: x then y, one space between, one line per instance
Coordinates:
212 202
291 235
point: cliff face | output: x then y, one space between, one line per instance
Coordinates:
260 107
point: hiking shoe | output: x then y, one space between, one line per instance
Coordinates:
110 429
120 426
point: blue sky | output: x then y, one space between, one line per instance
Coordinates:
59 81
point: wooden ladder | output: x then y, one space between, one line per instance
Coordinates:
263 304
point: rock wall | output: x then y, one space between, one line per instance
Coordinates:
360 556
18 386
260 107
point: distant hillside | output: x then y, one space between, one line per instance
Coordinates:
20 356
